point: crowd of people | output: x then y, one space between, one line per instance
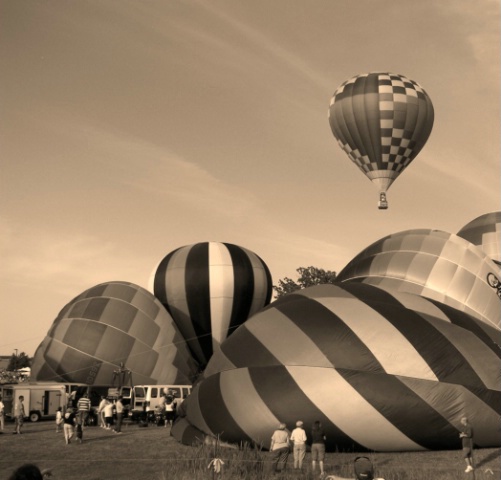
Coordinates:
73 419
282 440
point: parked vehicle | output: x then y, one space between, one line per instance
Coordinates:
41 399
146 397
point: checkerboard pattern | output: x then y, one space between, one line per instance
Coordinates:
381 120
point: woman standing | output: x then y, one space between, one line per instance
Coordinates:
280 448
317 447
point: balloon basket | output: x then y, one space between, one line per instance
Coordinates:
383 203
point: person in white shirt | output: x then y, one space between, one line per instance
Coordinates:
280 448
108 414
100 411
298 437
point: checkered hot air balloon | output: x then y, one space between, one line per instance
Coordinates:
210 288
432 263
485 232
108 325
381 371
381 121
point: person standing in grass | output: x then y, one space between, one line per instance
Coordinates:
100 411
280 448
119 406
298 438
59 419
317 447
68 424
83 406
466 436
19 415
108 414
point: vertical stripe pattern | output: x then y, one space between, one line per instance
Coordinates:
211 288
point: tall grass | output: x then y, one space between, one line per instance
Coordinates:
152 454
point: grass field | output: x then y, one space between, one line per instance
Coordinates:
151 453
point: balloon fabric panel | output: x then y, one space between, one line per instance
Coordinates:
222 288
120 314
485 232
243 275
325 329
434 348
197 283
84 335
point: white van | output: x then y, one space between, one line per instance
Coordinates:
146 397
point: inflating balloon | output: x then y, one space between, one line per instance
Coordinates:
431 263
210 288
381 121
485 232
381 371
109 325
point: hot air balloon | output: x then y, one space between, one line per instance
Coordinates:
381 371
210 288
111 325
485 232
381 121
433 264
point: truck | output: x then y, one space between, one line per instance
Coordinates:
41 399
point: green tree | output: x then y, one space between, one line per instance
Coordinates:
308 276
18 361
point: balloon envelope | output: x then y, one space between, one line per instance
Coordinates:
485 232
431 263
381 371
381 121
210 288
109 324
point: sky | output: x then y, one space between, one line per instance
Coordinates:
130 128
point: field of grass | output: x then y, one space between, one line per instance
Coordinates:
151 453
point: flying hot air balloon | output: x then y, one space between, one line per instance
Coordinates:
382 121
210 288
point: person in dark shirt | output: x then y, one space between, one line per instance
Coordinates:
317 447
466 436
68 424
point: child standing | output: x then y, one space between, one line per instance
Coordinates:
68 423
59 419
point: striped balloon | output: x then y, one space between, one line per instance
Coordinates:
210 288
381 371
485 231
431 263
108 324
